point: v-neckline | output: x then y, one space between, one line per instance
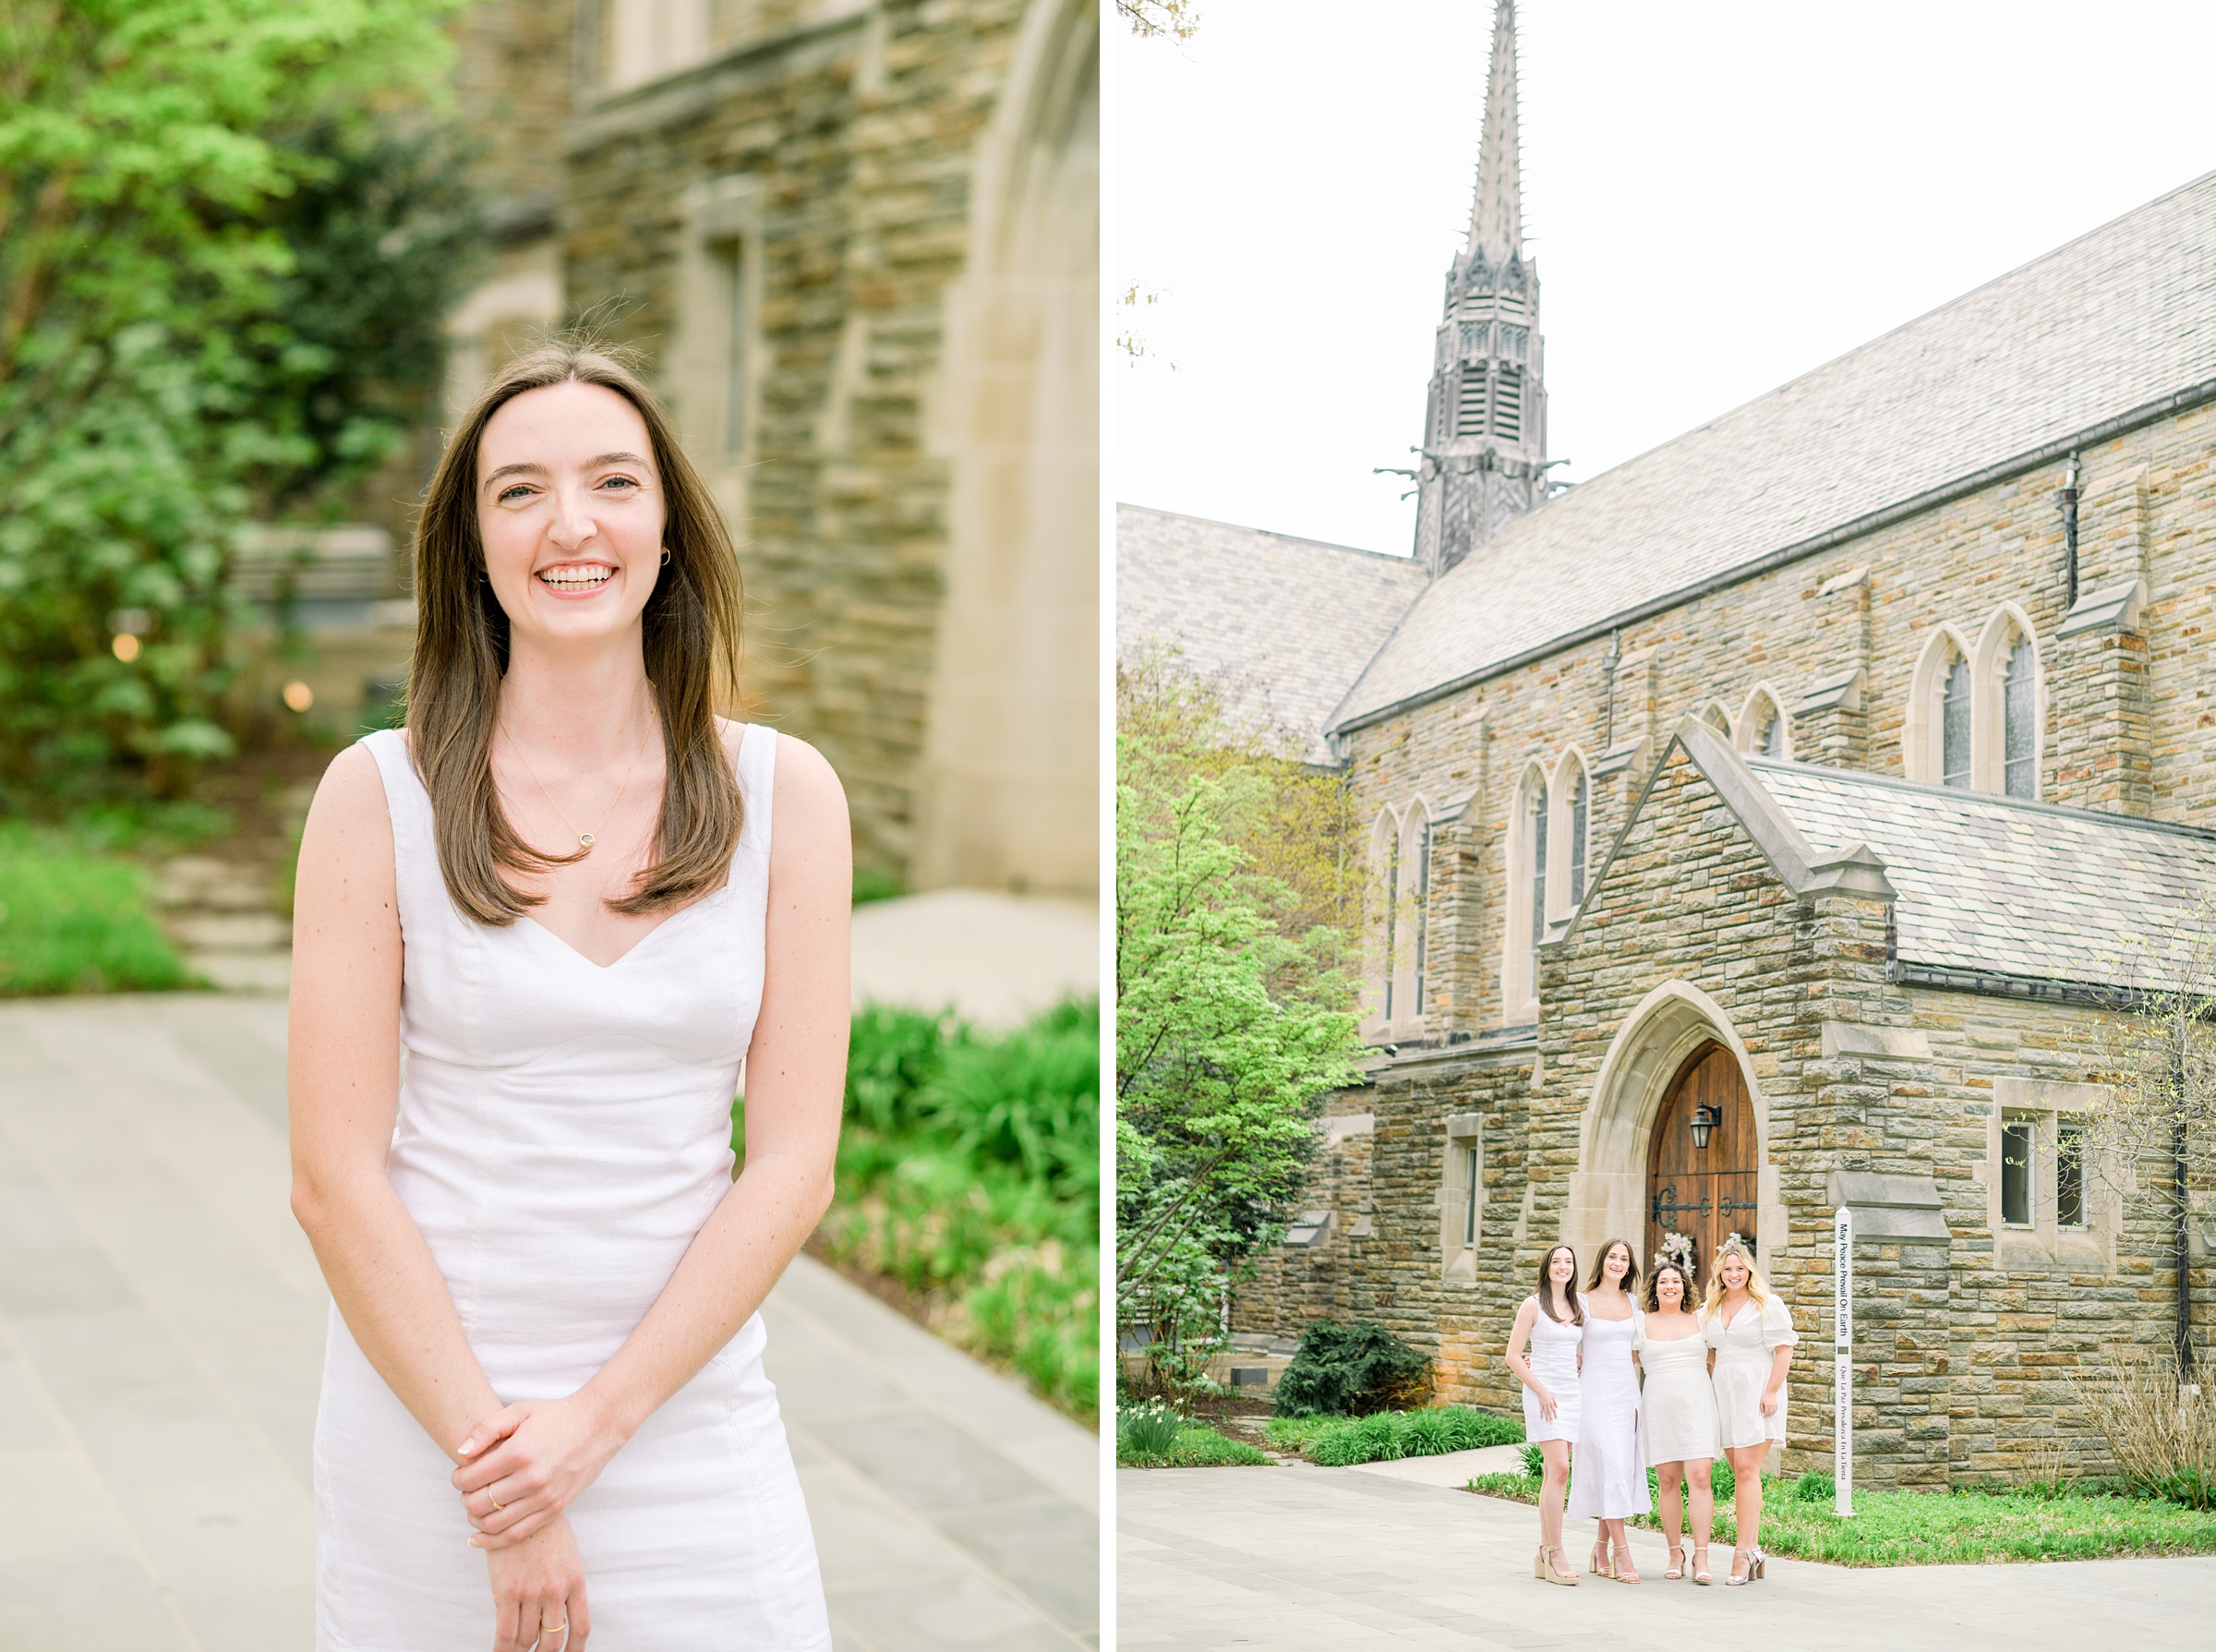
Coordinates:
625 955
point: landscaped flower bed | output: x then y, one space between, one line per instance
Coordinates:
1386 1436
968 1173
1938 1528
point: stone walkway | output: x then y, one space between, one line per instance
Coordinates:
1333 1560
160 1342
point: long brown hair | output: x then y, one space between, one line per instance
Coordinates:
1577 1309
1630 1271
692 626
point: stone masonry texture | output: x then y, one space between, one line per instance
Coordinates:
1968 1354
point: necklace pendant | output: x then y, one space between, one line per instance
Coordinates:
584 841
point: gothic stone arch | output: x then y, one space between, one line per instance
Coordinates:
1608 1190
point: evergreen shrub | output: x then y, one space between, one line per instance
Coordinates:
1350 1371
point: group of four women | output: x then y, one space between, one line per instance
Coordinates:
1714 1380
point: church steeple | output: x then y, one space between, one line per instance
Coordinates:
1485 428
1497 209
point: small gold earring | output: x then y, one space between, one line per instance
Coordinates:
665 555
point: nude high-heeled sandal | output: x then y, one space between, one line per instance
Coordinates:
1623 1569
1544 1569
1734 1579
1700 1569
1676 1568
1599 1565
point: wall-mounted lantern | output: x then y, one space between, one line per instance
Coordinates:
1705 1119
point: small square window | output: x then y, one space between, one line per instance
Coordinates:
2016 1172
2069 1175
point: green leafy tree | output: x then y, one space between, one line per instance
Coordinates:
164 368
1232 1019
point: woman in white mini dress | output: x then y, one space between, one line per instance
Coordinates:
537 933
1676 1413
1553 1323
1610 1480
1752 1337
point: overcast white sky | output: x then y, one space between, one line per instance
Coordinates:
1720 196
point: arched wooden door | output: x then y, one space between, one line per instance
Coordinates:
1707 1192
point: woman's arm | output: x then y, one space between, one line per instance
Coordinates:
1525 1317
342 1072
796 1071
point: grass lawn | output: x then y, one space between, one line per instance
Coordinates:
74 920
1928 1528
968 1177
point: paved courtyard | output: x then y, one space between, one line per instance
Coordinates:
161 1344
1334 1560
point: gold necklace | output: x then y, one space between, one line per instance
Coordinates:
584 840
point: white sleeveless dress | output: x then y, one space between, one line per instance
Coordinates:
1676 1406
1553 1360
564 1131
1608 1471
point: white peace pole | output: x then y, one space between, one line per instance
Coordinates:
1842 1362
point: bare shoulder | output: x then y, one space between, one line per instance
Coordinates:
350 798
806 778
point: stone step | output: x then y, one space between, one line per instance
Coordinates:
262 931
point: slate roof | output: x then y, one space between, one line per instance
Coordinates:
1997 886
1285 624
2092 330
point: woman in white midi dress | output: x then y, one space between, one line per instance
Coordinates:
1553 1323
541 1267
1752 1337
1677 1415
1610 1480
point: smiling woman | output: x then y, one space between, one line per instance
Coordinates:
544 1341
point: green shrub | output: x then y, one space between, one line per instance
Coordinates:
77 922
1815 1486
1534 1463
1386 1436
1722 1482
1353 1369
969 1170
1147 1431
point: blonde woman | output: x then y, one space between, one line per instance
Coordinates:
1553 1321
578 900
1610 1481
1751 1336
1676 1413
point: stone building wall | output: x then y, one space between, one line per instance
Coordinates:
1970 1345
2130 709
845 145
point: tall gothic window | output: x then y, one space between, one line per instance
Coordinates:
1392 917
1954 725
1577 840
1507 403
1423 913
2019 712
1535 830
1469 416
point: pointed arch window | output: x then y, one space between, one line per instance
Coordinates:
1954 724
2020 722
1577 839
1534 834
1422 914
1393 919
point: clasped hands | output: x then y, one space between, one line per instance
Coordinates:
526 1463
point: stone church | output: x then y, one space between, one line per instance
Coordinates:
1757 828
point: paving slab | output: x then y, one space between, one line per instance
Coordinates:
1315 1560
1450 1468
162 1323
